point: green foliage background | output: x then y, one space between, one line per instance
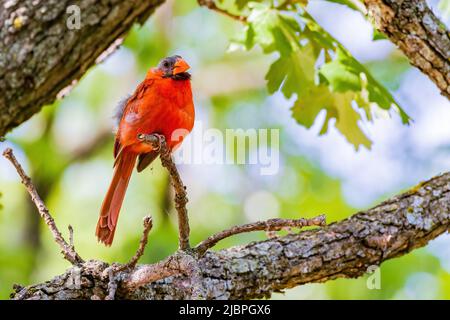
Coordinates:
67 148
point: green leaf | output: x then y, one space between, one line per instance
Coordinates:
272 31
345 73
293 73
377 35
338 106
347 119
316 69
342 73
263 21
306 108
276 74
244 39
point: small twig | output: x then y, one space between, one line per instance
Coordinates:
268 225
71 243
115 272
67 250
70 236
210 4
148 224
158 142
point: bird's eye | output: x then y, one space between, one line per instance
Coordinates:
166 64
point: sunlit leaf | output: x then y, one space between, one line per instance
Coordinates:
377 35
346 72
293 73
338 106
273 31
342 73
318 70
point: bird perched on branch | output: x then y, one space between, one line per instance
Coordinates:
161 104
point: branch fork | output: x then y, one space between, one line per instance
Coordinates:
185 261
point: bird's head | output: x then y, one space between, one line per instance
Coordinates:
174 67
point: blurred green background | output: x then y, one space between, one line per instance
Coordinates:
67 150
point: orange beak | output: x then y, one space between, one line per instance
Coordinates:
180 66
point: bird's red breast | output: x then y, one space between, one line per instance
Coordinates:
160 104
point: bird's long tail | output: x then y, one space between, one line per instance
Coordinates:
112 203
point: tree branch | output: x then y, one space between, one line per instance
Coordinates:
67 250
40 55
269 225
211 5
159 143
345 249
148 225
414 28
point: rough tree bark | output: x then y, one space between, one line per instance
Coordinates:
40 56
345 249
414 28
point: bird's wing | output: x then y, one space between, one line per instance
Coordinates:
145 159
129 108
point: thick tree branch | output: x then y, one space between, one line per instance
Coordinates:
413 27
40 55
345 249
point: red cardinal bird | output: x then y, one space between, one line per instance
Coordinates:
161 104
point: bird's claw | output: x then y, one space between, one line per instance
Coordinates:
156 140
